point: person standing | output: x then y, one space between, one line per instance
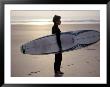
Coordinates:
58 56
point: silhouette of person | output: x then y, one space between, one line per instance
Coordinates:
58 56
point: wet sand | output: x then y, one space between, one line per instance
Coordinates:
84 62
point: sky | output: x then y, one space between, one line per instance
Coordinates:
23 16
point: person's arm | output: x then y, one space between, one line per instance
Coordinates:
58 40
57 33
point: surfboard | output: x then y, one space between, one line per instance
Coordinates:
71 40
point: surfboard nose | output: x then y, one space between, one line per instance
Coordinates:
22 49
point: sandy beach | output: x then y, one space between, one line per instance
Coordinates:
84 62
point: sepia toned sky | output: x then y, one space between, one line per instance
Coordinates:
18 16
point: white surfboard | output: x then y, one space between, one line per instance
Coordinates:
69 40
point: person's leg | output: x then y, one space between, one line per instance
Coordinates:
57 63
59 60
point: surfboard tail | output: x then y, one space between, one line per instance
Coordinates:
22 49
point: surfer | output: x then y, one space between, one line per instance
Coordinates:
58 56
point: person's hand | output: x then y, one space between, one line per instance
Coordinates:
60 51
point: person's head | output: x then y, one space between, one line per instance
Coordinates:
56 19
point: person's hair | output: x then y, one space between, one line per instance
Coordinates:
56 18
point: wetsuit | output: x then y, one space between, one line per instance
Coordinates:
58 56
